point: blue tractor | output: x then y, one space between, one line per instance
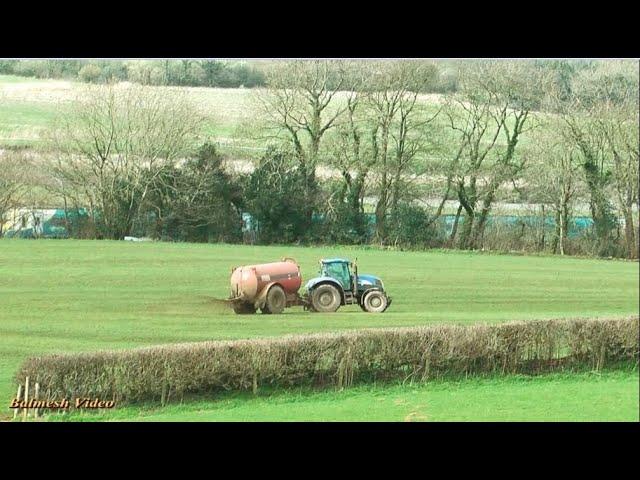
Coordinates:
340 284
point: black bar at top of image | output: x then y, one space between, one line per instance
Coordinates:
429 34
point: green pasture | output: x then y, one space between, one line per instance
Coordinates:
607 396
74 295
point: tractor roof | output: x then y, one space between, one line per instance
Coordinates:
335 260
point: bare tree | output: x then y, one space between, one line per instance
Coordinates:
115 144
399 130
617 118
300 106
555 179
381 136
14 170
619 128
351 154
582 131
601 120
488 117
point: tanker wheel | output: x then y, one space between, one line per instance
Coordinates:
276 300
325 298
244 308
375 302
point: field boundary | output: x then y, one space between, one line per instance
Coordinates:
167 372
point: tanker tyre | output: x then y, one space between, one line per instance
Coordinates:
375 302
244 308
325 298
276 300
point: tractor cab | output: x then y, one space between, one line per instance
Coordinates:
340 284
338 269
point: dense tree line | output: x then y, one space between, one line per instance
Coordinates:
195 73
438 77
547 133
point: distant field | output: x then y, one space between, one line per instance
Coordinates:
17 79
24 123
66 295
28 107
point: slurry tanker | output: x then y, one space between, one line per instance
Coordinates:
272 287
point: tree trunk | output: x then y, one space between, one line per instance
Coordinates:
310 171
484 215
555 243
564 225
381 207
355 204
629 233
542 239
380 217
467 228
395 193
66 216
454 230
310 195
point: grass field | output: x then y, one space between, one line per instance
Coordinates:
23 123
610 396
66 295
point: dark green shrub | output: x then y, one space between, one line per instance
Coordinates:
411 226
275 197
90 73
198 202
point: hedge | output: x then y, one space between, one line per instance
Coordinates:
168 372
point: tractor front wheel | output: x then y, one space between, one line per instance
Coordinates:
375 302
325 298
276 300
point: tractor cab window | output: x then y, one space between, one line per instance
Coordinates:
339 271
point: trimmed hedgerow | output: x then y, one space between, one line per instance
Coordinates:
167 372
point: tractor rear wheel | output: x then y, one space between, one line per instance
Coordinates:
276 300
244 308
325 298
375 302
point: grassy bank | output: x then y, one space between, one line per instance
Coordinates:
608 396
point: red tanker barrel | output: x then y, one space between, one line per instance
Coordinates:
286 274
244 284
248 281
